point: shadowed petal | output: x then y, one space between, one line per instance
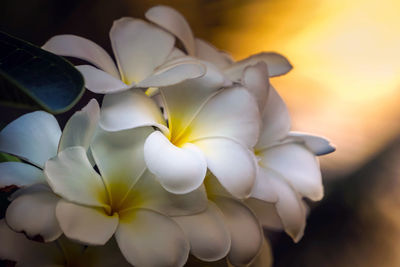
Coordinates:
19 174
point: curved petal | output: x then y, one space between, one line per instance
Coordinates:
264 257
19 174
71 175
231 113
149 194
86 224
317 144
262 188
266 213
179 169
149 239
233 164
81 127
100 82
176 53
277 65
139 48
75 46
173 73
119 157
298 166
34 214
173 21
210 53
104 256
209 238
246 233
275 121
16 247
33 137
255 79
130 109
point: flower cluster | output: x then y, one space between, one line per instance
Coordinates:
190 152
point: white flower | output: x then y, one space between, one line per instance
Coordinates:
125 199
36 137
61 252
143 54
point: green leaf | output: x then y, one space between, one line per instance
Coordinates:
33 78
6 157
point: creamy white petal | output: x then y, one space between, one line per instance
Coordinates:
16 247
119 157
210 53
130 109
317 144
246 233
179 169
139 48
262 188
71 175
149 239
233 164
173 21
263 259
19 174
209 237
81 127
34 214
231 113
33 137
265 212
298 166
277 65
275 121
255 79
176 53
84 224
290 209
100 82
149 194
75 46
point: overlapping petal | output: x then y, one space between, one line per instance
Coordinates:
262 188
266 213
255 79
208 52
317 144
19 174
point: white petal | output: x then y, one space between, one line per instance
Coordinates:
171 20
16 247
100 82
210 53
264 257
231 113
290 209
86 225
266 213
173 73
33 137
149 239
262 188
179 169
71 175
149 194
298 166
275 121
246 233
34 214
75 46
277 65
255 79
233 164
317 144
19 174
119 157
176 53
139 48
80 128
130 109
209 237
104 256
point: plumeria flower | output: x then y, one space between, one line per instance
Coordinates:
36 137
144 55
208 126
17 248
172 21
288 169
124 199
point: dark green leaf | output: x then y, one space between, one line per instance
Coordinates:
33 78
